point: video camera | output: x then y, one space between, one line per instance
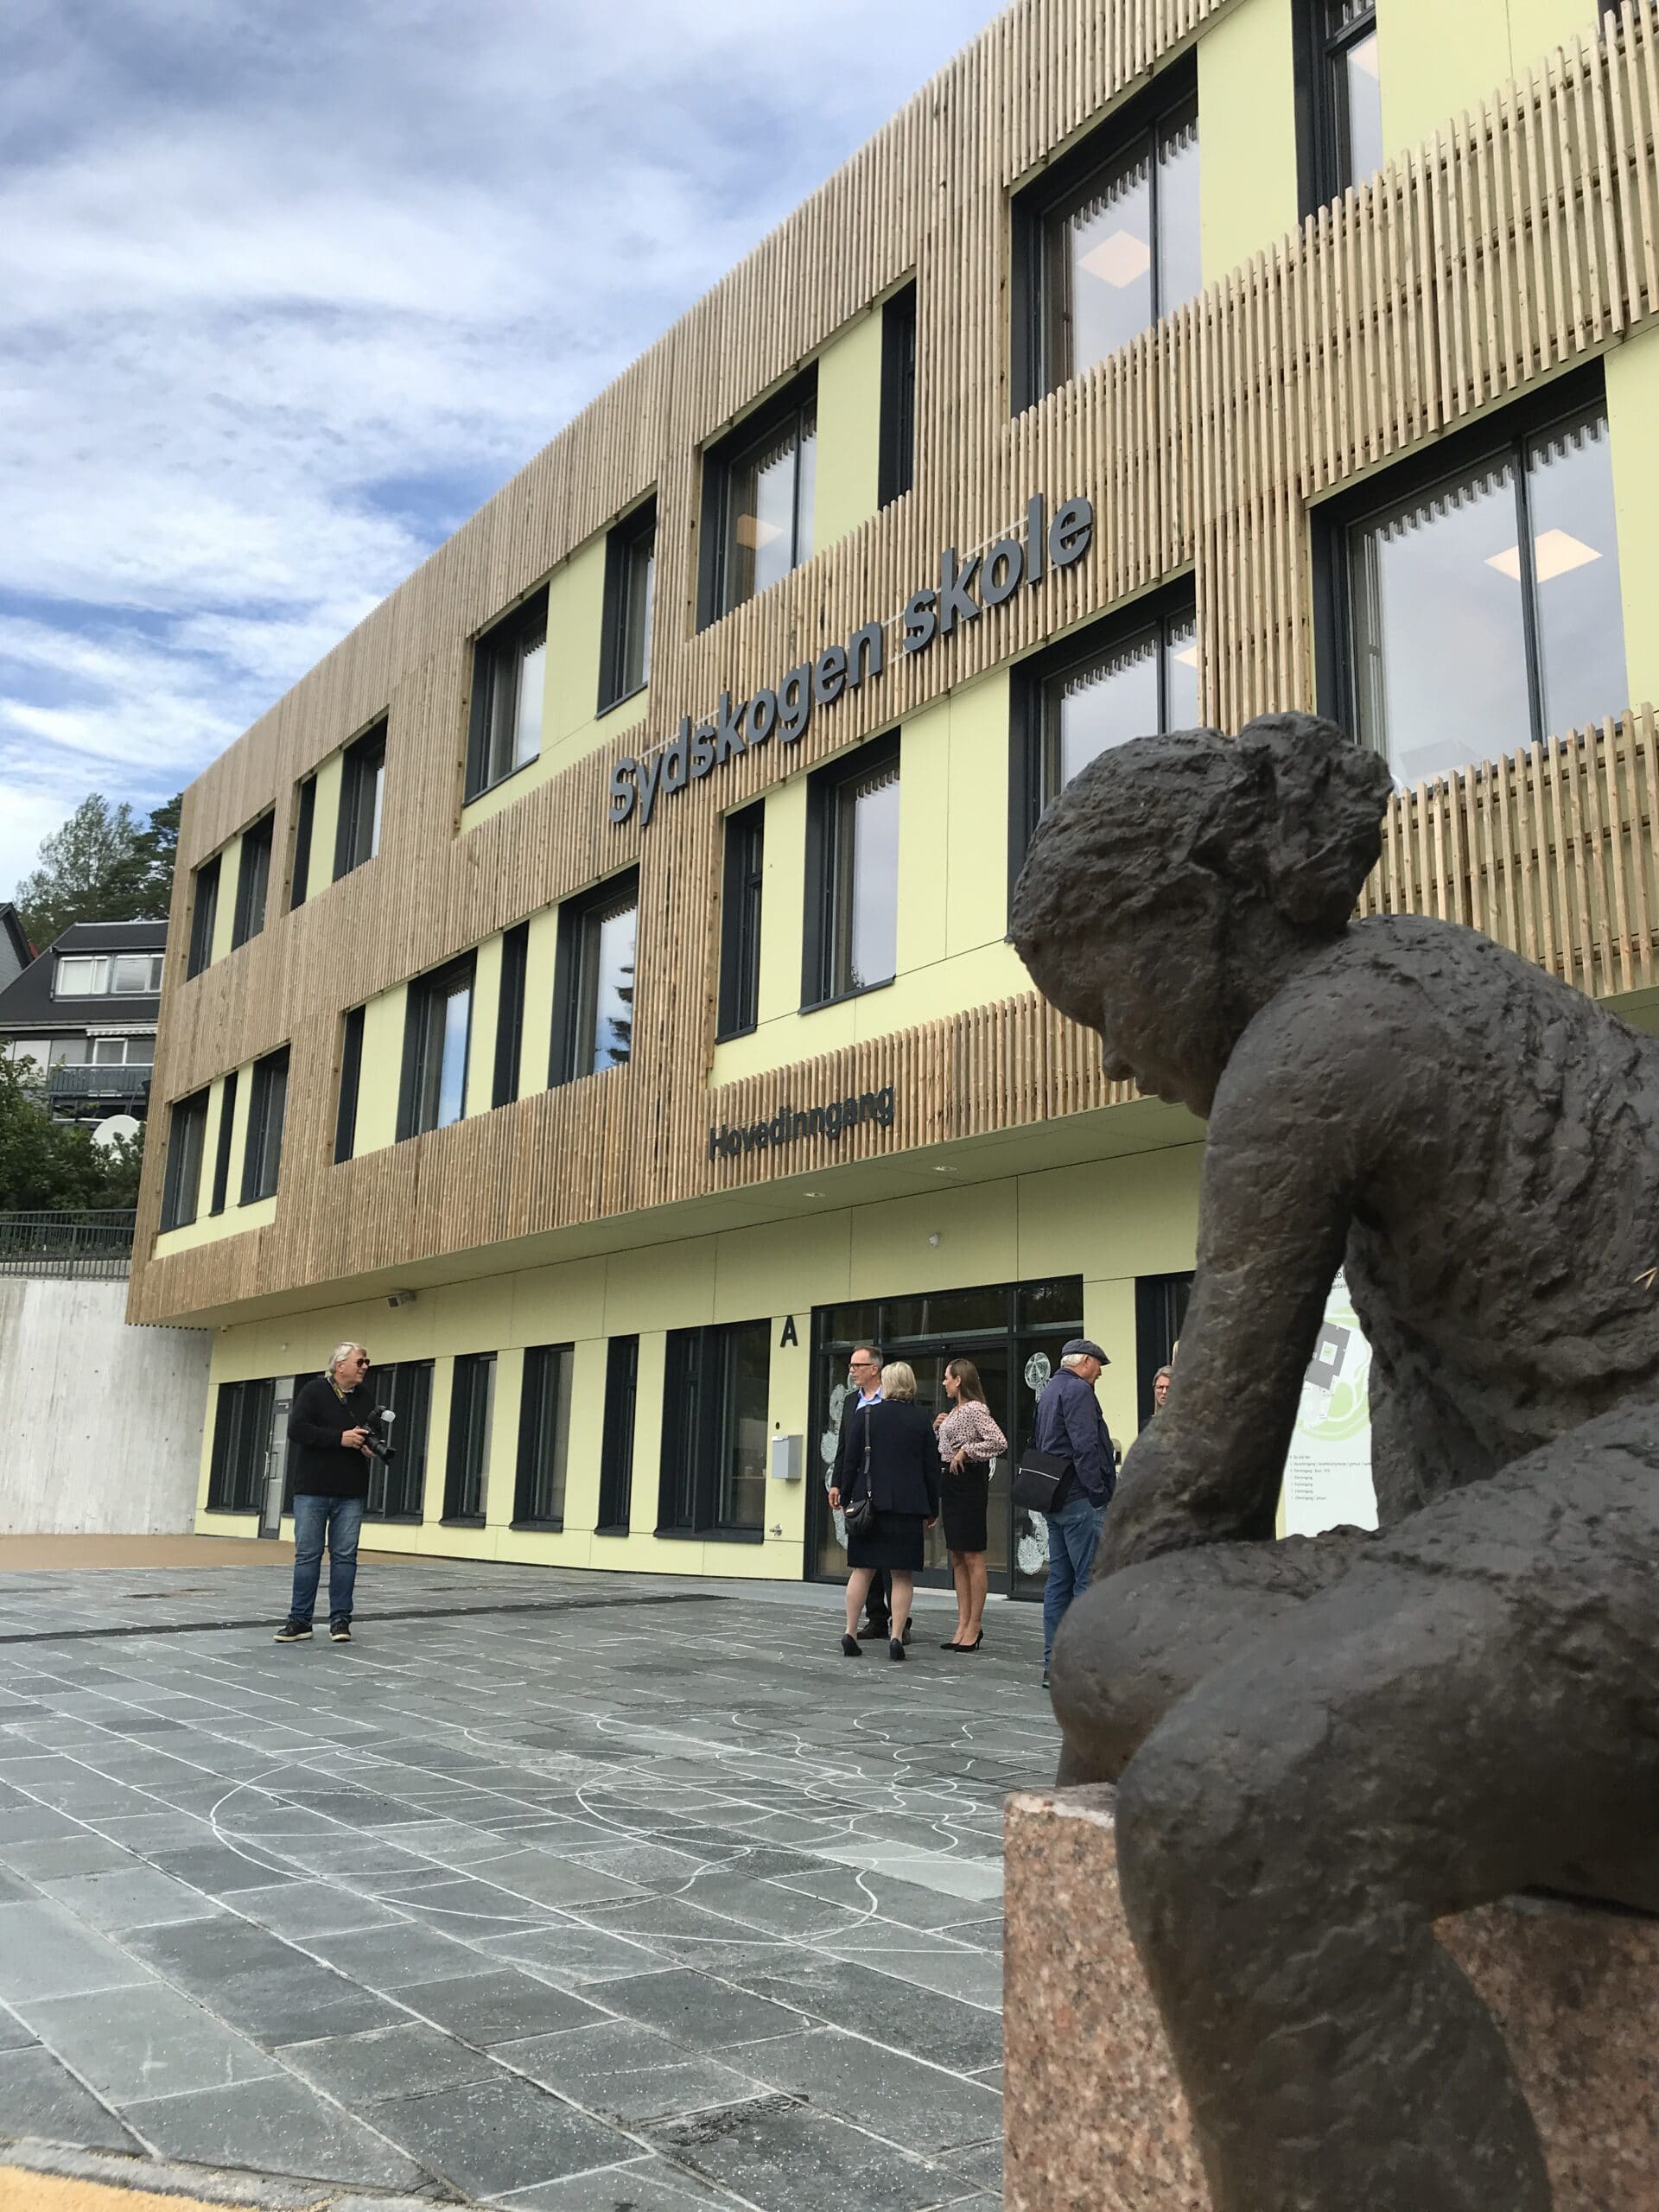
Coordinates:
378 1434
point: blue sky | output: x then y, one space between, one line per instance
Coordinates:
286 292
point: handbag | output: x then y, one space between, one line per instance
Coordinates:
859 1513
1042 1481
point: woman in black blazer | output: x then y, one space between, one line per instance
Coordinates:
900 1471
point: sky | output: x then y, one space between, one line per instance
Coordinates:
286 291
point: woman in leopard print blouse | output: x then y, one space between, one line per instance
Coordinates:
968 1440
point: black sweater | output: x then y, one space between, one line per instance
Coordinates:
320 1465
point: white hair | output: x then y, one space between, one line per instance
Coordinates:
1075 1359
899 1380
342 1351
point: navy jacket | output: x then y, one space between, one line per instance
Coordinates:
904 1458
1071 1425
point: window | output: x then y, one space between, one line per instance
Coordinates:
1482 611
101 975
1342 137
543 1437
467 1474
122 1052
625 635
397 1487
1106 242
714 1431
593 997
1135 675
252 881
757 508
187 1126
241 1446
739 921
362 786
204 914
1161 1303
222 1150
896 461
616 1443
509 678
305 816
437 1030
262 1160
852 874
510 1015
351 1077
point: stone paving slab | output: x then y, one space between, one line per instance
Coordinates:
544 1892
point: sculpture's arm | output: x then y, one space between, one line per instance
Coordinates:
1274 1207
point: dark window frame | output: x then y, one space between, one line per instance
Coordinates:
579 919
351 1077
510 1015
406 1386
255 843
241 1450
1160 1304
743 901
437 983
544 1404
1501 434
507 634
205 883
467 1464
616 1443
362 763
896 448
626 543
267 1114
827 787
222 1150
697 1411
180 1116
798 399
1323 157
1028 765
1039 204
305 816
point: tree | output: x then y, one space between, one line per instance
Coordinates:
103 866
45 1166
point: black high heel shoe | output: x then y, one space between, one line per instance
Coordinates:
849 1647
973 1646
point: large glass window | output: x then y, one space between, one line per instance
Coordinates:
187 1126
362 792
398 1485
122 1052
437 1031
305 815
509 680
510 1014
852 924
101 975
616 1443
227 1136
740 920
714 1431
629 581
1484 611
593 1023
252 881
241 1446
759 487
471 1408
204 915
268 1105
896 466
351 1077
1346 107
1109 244
543 1437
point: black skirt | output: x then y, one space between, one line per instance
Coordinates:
963 1507
895 1541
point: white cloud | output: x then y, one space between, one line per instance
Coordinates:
284 294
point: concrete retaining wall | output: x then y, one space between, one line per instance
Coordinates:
100 1424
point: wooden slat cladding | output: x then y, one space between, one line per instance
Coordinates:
1521 238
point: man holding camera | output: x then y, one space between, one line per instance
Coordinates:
329 1427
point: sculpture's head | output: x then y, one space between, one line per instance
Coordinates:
1172 884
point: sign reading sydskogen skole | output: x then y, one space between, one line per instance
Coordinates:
964 591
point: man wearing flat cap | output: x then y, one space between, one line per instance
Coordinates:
1071 1425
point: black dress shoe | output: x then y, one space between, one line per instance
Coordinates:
895 1648
849 1646
973 1646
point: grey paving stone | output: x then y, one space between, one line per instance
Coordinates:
275 2126
466 1909
891 2095
626 2072
648 2184
766 1904
389 1958
26 1825
303 1909
975 1977
401 2062
908 1903
492 2137
499 2006
132 1896
782 2157
960 2038
983 2166
217 1869
40 2096
46 1952
150 2043
572 1952
12 2033
645 1866
540 1877
58 1858
697 2010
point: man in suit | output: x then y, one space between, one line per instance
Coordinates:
864 1377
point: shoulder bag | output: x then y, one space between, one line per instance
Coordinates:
1042 1481
859 1513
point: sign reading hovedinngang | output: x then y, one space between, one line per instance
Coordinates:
787 1127
964 591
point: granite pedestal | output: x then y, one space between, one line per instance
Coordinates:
1095 2117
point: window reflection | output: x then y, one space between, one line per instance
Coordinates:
606 1038
769 508
1138 686
866 889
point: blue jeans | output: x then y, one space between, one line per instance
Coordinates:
1073 1539
339 1519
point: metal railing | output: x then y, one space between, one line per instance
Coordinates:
112 1082
95 1244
